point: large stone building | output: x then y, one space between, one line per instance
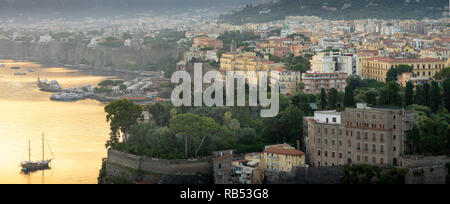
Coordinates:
314 82
246 61
376 68
364 134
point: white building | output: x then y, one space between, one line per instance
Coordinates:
330 62
45 38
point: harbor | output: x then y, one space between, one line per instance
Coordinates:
76 131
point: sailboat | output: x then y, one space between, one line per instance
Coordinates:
29 165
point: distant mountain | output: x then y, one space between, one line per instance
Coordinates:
92 8
340 10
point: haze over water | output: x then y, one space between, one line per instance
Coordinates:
76 131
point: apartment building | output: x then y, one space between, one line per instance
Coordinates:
282 158
246 61
436 53
204 41
376 68
289 81
328 62
314 82
370 135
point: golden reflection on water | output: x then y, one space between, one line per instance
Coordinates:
76 131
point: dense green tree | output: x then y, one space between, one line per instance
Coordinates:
121 114
443 74
409 94
390 95
355 82
333 98
149 140
435 97
394 72
302 101
323 99
160 113
246 136
371 97
349 99
286 127
195 130
426 94
447 94
434 137
418 96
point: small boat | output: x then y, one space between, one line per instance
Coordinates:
20 74
29 166
30 70
15 67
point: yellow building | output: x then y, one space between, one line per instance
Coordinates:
376 68
289 81
282 158
247 61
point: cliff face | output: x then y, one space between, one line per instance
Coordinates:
78 53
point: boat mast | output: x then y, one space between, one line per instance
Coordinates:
43 152
29 150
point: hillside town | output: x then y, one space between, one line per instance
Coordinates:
367 92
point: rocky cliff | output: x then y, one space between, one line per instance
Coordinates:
78 53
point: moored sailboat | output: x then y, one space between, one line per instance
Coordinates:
28 166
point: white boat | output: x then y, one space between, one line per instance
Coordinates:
20 74
29 166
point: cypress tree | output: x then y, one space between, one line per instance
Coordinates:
409 94
447 94
418 97
435 97
323 99
349 99
332 98
426 94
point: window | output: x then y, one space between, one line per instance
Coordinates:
374 160
318 153
382 148
359 158
334 120
318 140
333 155
366 159
381 161
326 153
340 155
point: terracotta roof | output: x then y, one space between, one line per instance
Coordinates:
279 69
276 150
